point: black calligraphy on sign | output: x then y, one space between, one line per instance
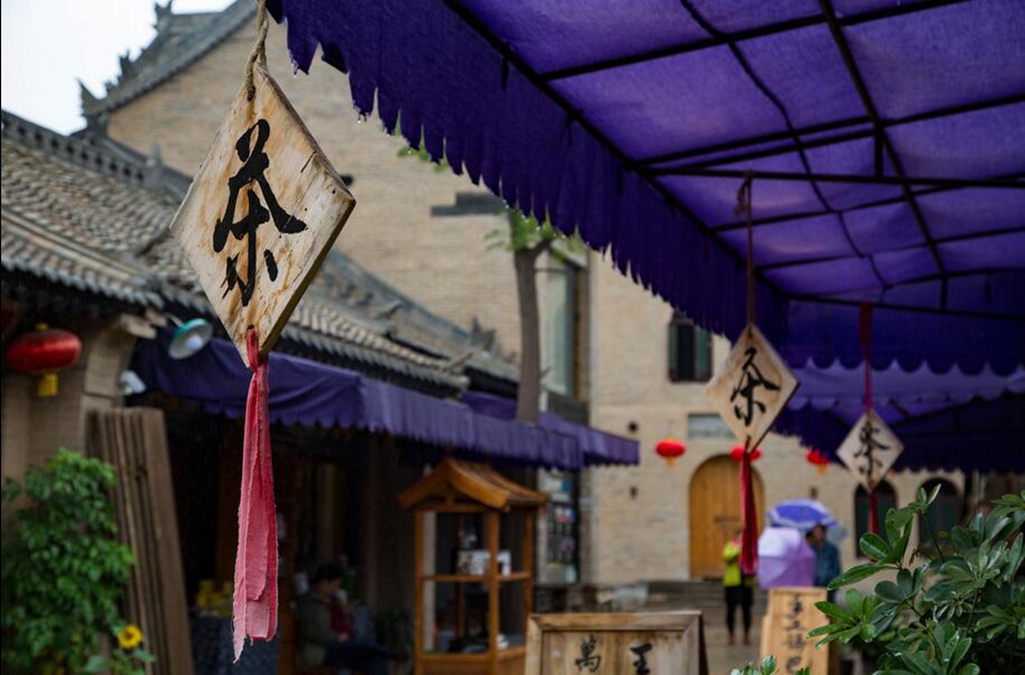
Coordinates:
641 664
588 659
253 170
867 448
795 642
750 380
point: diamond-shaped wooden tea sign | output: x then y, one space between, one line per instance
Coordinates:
870 449
261 214
752 387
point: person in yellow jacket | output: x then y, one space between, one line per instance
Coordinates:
739 589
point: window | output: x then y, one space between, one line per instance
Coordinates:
690 351
560 325
707 425
943 514
886 499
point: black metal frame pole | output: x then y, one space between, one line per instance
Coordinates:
899 180
740 36
859 83
961 313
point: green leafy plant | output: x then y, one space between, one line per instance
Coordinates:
64 572
766 667
960 610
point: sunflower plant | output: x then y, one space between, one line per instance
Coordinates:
64 571
129 658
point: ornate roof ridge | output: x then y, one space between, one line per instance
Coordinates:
169 53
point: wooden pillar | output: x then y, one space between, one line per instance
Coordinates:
528 566
418 617
493 606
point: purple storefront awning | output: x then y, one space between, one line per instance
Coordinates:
632 123
308 393
953 420
599 447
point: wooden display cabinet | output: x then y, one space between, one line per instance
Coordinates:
458 489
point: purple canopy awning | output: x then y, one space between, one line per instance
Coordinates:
632 122
953 420
308 393
598 447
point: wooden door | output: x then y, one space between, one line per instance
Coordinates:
715 514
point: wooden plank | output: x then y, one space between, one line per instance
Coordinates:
616 644
494 627
790 615
418 603
268 199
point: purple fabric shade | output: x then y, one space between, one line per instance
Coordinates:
948 421
308 393
949 82
598 447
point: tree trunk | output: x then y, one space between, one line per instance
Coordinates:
528 394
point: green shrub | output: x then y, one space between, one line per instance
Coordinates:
959 611
64 572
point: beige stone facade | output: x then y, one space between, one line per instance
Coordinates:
637 519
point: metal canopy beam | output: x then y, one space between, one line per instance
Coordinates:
739 36
859 83
787 217
899 180
915 309
783 136
860 133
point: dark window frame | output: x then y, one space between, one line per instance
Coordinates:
689 352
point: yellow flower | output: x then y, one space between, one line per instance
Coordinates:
129 637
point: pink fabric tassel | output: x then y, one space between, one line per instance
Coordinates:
255 607
749 538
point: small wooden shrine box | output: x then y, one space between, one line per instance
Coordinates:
463 489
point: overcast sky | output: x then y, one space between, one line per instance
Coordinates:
47 44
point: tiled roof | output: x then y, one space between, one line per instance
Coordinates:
77 215
181 40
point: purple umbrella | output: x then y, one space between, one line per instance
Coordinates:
784 558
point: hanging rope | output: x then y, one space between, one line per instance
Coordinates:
749 535
259 53
744 209
865 336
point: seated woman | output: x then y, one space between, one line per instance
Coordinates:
326 635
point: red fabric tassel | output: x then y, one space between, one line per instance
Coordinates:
749 538
255 607
873 513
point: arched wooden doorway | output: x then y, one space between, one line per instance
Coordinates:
715 512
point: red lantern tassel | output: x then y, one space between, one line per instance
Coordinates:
749 538
255 607
873 513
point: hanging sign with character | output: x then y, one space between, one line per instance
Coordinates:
260 216
752 387
870 449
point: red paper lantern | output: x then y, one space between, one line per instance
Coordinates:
816 458
670 449
44 353
737 454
